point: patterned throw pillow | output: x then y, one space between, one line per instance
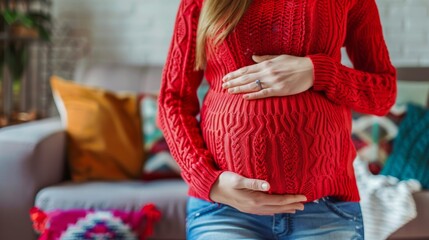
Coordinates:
159 163
148 109
410 156
80 224
373 136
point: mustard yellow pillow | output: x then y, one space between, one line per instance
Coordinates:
104 131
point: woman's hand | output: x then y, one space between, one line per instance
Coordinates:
281 75
248 195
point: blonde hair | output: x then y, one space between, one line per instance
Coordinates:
217 19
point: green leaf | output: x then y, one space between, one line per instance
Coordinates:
26 21
10 16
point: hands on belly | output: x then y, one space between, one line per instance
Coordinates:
281 75
249 196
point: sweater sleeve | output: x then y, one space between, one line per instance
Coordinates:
370 87
178 104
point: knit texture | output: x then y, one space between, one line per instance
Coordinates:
300 144
410 156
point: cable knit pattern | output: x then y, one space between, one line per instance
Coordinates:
410 156
301 144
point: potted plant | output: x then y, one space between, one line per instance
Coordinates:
19 27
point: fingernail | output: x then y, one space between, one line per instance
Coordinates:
264 186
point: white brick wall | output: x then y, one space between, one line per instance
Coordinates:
139 31
406 29
127 31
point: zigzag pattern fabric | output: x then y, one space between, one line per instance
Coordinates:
300 144
75 224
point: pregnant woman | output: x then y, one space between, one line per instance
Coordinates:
271 157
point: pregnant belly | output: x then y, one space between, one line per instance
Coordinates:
270 139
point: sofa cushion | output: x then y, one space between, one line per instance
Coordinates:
169 196
104 131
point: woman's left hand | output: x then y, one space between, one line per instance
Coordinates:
281 75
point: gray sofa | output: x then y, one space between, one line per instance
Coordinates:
32 172
32 168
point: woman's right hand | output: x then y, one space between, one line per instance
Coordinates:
249 196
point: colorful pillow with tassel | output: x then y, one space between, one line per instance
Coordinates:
80 224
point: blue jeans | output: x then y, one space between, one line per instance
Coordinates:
327 218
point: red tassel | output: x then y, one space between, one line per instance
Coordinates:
39 218
151 215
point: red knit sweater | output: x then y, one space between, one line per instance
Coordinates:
300 144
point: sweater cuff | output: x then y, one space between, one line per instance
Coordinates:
204 175
324 73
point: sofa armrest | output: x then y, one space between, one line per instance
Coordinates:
416 228
31 157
